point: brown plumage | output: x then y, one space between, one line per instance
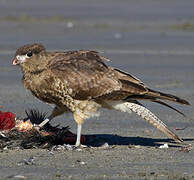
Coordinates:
81 82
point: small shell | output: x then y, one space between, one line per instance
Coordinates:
164 146
24 126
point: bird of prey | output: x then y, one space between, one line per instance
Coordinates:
80 82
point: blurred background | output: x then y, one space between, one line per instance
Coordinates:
152 39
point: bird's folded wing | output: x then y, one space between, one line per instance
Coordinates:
128 77
87 76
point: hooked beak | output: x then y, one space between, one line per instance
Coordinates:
15 62
19 59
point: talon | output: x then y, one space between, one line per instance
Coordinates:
81 146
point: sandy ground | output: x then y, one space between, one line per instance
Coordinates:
153 40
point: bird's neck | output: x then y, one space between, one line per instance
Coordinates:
34 66
33 69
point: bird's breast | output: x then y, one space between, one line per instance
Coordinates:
45 88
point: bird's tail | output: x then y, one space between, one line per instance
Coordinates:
155 96
148 116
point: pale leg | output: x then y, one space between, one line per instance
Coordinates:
78 141
79 118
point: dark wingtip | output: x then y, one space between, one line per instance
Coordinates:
182 101
169 97
176 99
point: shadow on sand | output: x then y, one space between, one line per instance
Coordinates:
99 139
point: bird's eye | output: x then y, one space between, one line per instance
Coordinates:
29 54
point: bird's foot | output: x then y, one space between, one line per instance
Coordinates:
81 146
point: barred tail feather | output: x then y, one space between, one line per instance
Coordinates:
145 114
152 119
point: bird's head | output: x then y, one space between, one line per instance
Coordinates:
27 52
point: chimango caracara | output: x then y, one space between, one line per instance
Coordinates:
80 82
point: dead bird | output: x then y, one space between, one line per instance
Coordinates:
24 135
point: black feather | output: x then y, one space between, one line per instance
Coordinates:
35 116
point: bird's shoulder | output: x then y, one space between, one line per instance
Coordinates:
75 57
82 63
